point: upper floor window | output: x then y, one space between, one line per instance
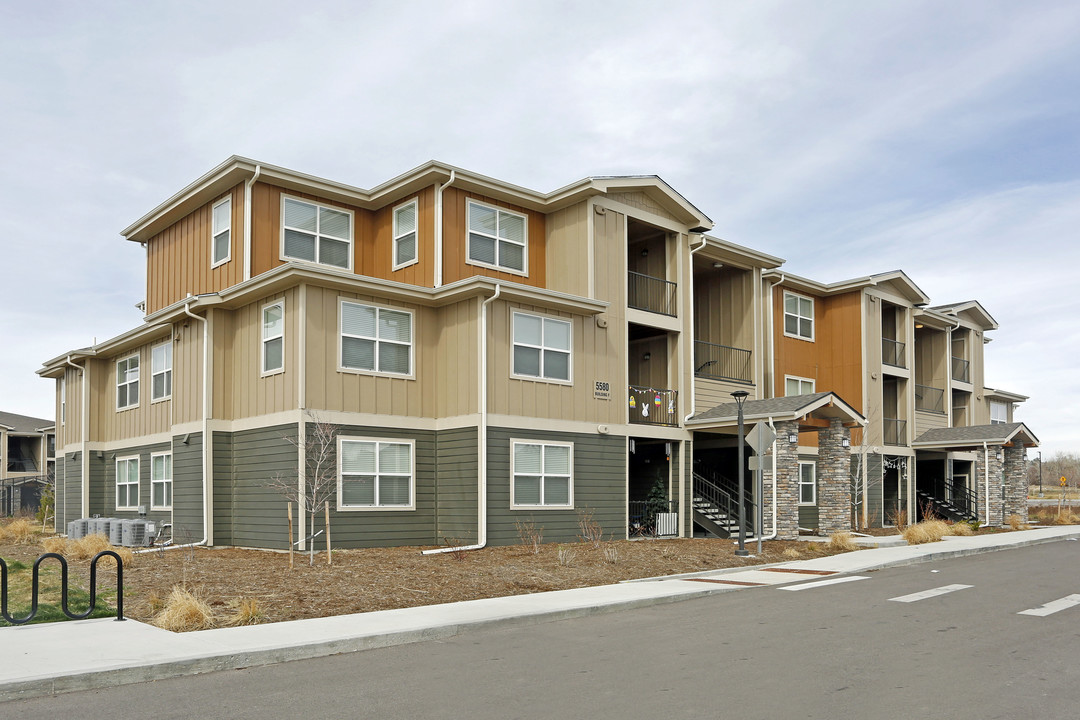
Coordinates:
161 481
798 316
376 339
807 483
273 338
541 474
497 238
375 473
798 386
127 382
541 347
405 221
127 483
999 413
222 232
316 233
161 371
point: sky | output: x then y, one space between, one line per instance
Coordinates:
848 138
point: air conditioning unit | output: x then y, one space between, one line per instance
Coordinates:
135 534
77 529
116 532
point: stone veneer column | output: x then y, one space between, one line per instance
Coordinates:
996 469
834 479
1015 483
787 483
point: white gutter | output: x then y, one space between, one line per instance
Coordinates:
772 334
772 535
481 490
693 385
986 479
84 463
439 230
206 454
247 221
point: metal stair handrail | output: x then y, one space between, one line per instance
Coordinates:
720 498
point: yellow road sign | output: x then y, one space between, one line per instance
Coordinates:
1063 481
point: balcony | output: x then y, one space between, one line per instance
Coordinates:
650 406
720 362
892 352
930 399
651 294
894 432
961 370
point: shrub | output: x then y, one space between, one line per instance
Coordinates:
567 555
18 531
87 547
246 612
591 531
792 553
55 545
184 611
611 554
127 557
926 531
961 529
530 535
1017 523
842 542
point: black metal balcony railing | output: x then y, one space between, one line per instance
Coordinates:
961 370
894 431
645 292
721 362
650 406
653 518
892 352
930 399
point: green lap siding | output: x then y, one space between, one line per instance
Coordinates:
69 500
255 514
456 487
223 488
187 488
808 517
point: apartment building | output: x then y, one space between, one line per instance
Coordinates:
485 355
27 450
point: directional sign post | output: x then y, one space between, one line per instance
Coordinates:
760 437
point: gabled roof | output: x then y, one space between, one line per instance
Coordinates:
729 253
976 435
793 407
898 279
971 310
24 423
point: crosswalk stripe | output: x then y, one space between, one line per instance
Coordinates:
1052 607
934 592
822 583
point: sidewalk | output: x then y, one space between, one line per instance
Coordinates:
79 655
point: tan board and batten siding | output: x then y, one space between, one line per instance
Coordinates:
146 418
609 272
568 250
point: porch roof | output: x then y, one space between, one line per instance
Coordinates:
975 435
822 405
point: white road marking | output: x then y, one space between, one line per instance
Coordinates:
822 583
1052 607
943 590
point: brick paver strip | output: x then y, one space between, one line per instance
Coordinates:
724 582
800 572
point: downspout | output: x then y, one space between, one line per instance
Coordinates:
247 222
772 335
439 231
481 490
84 431
693 385
206 456
986 479
772 535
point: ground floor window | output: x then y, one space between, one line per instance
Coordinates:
375 473
541 474
807 483
127 483
161 481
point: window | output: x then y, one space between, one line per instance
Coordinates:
63 400
999 413
497 238
375 473
376 339
161 481
273 338
798 316
161 372
127 483
807 483
222 233
127 382
541 475
316 233
797 386
541 347
405 235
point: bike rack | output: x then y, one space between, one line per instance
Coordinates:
63 588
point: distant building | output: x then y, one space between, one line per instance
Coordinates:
27 459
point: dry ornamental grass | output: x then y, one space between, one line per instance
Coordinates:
842 542
184 611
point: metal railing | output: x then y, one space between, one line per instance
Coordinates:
650 406
894 431
961 370
721 362
930 399
892 352
724 499
955 498
35 586
653 518
644 292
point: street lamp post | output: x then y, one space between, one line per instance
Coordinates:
740 398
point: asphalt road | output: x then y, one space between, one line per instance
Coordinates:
944 639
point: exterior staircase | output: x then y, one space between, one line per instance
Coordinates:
715 508
949 502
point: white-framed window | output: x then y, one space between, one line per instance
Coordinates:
798 386
406 219
127 483
376 339
541 474
798 316
375 473
999 413
63 399
161 372
161 481
221 235
807 483
316 233
498 238
127 382
273 338
542 347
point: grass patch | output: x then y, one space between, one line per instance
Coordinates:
20 586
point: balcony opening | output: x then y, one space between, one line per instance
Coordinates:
723 321
892 347
651 399
648 287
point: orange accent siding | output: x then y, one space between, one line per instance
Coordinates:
455 241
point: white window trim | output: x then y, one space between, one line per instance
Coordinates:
570 494
541 378
524 272
352 234
1004 409
378 508
136 404
160 482
396 235
213 235
137 483
813 317
813 384
411 375
813 465
262 340
153 374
